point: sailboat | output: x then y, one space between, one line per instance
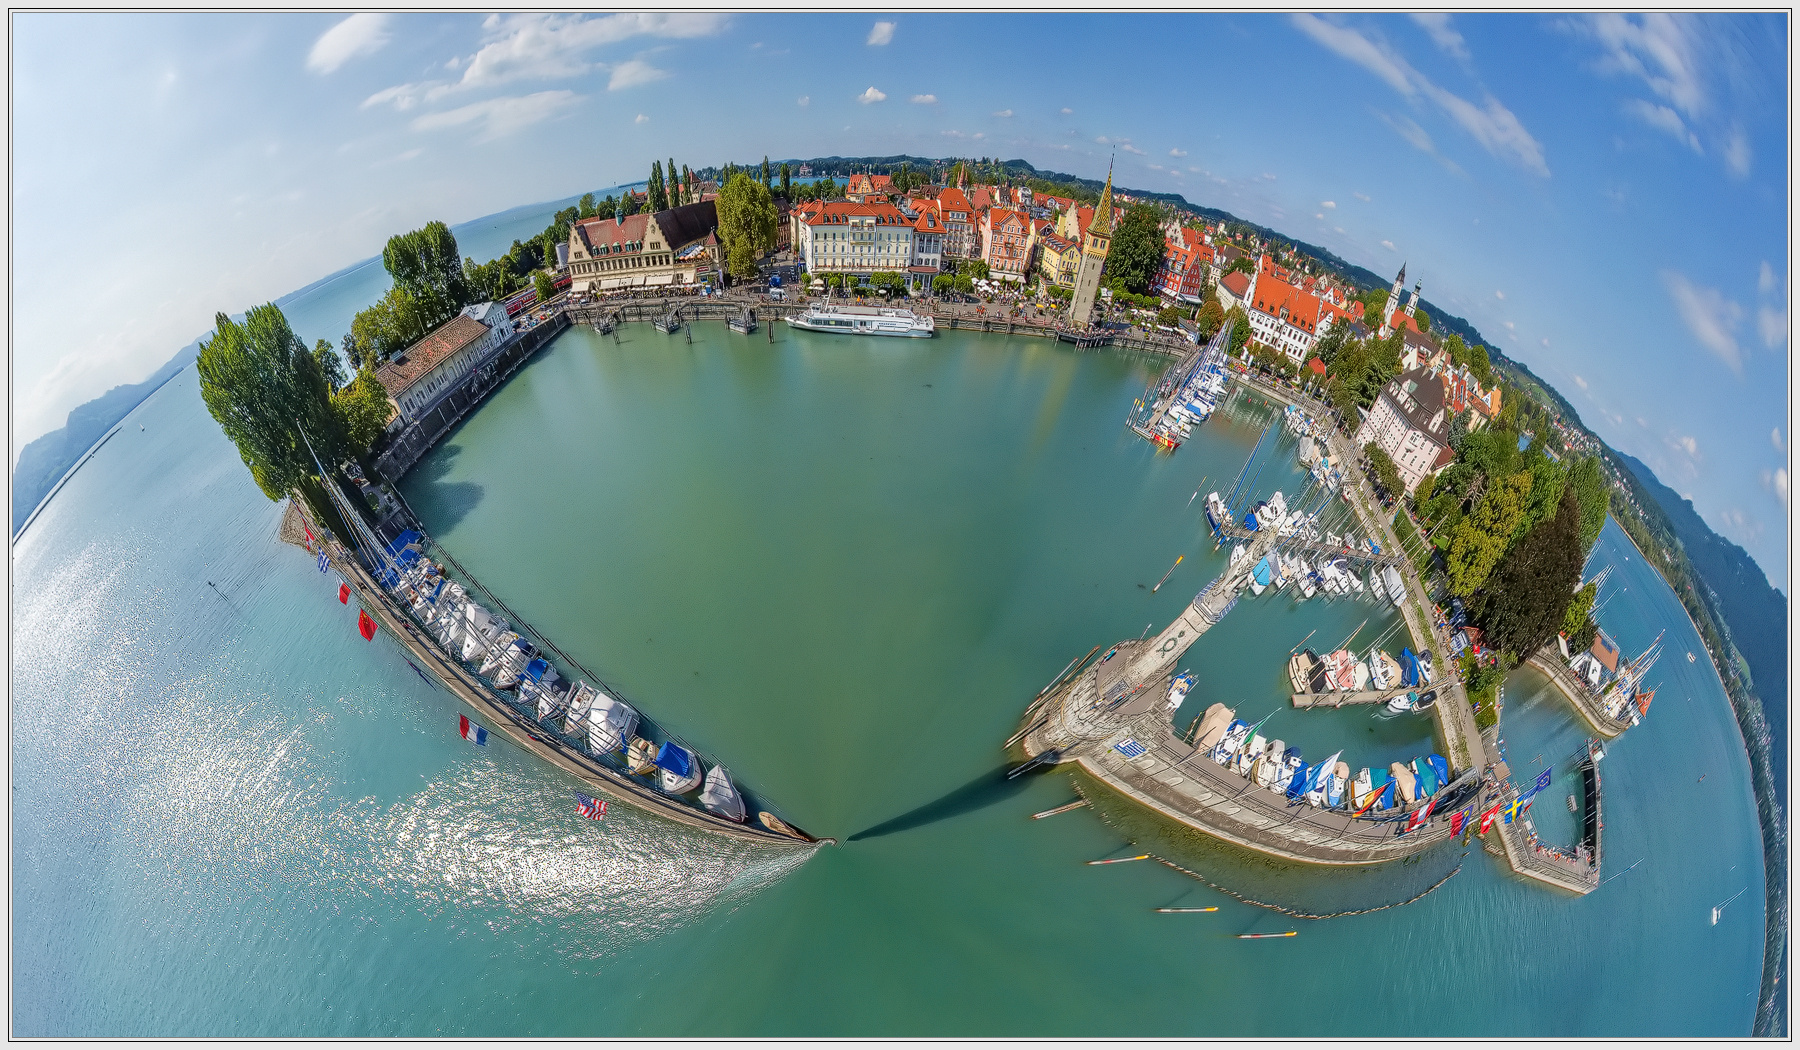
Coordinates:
680 769
721 795
611 722
1720 907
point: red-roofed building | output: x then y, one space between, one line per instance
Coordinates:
418 376
1056 204
1186 267
868 189
1283 317
1058 259
674 246
1411 423
859 239
1007 238
1233 290
959 223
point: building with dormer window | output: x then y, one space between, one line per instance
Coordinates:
675 246
1411 423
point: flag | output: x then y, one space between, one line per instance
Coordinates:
591 808
471 731
1419 817
1543 782
418 672
1456 821
365 625
1487 818
343 594
324 562
309 535
1511 811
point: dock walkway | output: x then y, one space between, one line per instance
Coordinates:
1336 700
1362 556
1546 663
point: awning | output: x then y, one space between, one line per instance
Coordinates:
659 278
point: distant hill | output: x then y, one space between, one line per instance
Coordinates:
1755 611
44 461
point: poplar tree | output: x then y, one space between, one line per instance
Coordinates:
676 187
658 200
262 385
765 172
687 182
747 223
787 185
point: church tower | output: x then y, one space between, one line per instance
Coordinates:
1093 257
1393 303
1413 303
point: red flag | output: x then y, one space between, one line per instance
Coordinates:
1456 821
309 535
1418 818
365 625
343 594
1487 819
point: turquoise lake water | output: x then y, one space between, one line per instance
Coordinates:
843 567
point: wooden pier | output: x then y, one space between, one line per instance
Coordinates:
1362 556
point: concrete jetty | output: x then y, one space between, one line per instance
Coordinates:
1584 702
1339 699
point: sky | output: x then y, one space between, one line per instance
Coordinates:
1605 197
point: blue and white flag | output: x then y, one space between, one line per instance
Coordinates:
1543 781
1129 748
324 562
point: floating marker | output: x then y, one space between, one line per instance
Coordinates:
1183 911
1121 860
1260 936
1077 804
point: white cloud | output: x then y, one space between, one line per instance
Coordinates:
1775 439
1765 278
803 101
1129 148
1337 229
1360 196
1490 123
871 95
1154 167
1664 119
1776 481
1737 152
500 116
1712 318
1003 113
1580 382
1498 294
1328 204
1266 177
641 119
1178 153
1771 324
632 73
549 46
1508 325
882 35
1389 245
403 96
1437 25
924 100
1066 111
1102 140
1319 215
354 37
1544 342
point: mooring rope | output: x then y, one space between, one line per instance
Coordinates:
1263 904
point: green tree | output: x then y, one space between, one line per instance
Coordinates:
1168 315
658 198
689 189
1579 607
1137 248
1387 476
787 184
943 282
363 410
767 175
1210 318
976 269
1243 264
747 223
628 205
1546 490
672 178
549 250
425 263
588 207
264 387
546 288
1480 539
1240 328
353 352
1589 485
965 284
392 324
1422 319
1523 603
329 365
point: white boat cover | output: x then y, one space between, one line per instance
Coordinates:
721 796
578 705
611 722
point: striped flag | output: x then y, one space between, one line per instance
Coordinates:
1457 820
589 807
471 731
1418 818
324 562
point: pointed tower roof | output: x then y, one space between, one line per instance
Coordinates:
1103 211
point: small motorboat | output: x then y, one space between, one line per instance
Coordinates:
611 722
1270 770
1232 742
1439 767
1390 668
1293 767
640 757
1408 790
518 655
1178 689
576 712
1425 778
1361 788
721 796
1425 667
1361 672
1375 586
1426 699
1396 588
1246 758
497 652
681 771
1402 703
1211 728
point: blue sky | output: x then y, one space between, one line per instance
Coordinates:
1604 197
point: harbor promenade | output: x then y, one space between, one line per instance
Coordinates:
1546 663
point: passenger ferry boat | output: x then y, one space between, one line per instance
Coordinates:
864 320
